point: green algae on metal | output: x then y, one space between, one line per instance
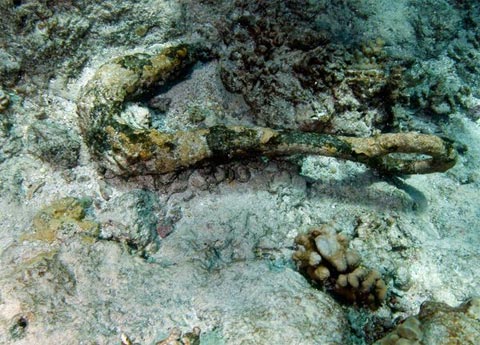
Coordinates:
126 150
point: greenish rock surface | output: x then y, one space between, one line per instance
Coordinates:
132 219
63 218
54 144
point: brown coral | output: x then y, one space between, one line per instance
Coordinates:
325 257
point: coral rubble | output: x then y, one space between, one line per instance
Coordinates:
292 70
135 226
443 324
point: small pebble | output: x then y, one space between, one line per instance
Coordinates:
162 104
242 174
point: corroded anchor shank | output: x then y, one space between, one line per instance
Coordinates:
128 150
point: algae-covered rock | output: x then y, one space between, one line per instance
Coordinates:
445 325
132 219
174 338
407 333
54 144
50 38
34 294
438 323
63 218
45 272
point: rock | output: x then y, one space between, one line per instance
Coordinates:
444 325
438 323
132 219
177 338
54 144
61 219
160 103
407 333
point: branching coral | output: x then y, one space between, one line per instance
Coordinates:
129 149
325 257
